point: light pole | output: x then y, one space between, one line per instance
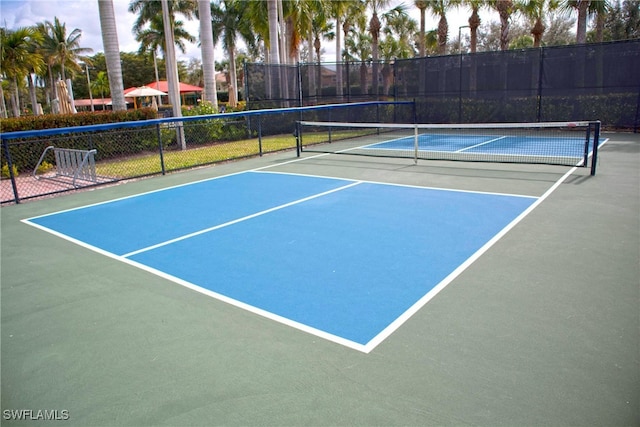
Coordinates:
86 66
460 36
460 72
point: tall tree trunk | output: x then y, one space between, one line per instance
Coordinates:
273 78
505 8
374 30
233 89
581 32
207 49
15 98
3 105
474 23
423 20
443 30
32 94
600 21
112 53
172 72
537 31
272 10
338 58
311 79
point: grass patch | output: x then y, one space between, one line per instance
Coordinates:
148 164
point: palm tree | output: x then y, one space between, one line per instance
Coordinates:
64 49
207 50
374 29
601 9
397 44
474 21
36 48
112 54
338 10
422 5
299 16
358 47
18 59
440 8
101 85
272 14
49 60
229 23
152 38
148 10
535 10
505 9
321 28
582 6
355 16
399 27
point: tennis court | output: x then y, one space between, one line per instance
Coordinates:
331 290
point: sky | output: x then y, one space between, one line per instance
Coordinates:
83 14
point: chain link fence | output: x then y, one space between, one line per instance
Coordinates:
138 149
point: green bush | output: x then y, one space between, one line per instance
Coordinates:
5 171
51 121
44 167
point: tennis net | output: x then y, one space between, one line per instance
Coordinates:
554 143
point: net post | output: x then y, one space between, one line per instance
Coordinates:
587 144
296 133
415 144
596 142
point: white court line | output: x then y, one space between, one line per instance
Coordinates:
364 181
235 221
479 145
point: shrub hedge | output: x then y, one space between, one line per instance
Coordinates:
51 121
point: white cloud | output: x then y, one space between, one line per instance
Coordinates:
83 14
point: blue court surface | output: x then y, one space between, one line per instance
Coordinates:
489 144
345 260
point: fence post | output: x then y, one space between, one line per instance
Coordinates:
540 70
159 135
299 76
348 82
245 84
636 124
5 146
260 135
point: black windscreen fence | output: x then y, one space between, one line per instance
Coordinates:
564 83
